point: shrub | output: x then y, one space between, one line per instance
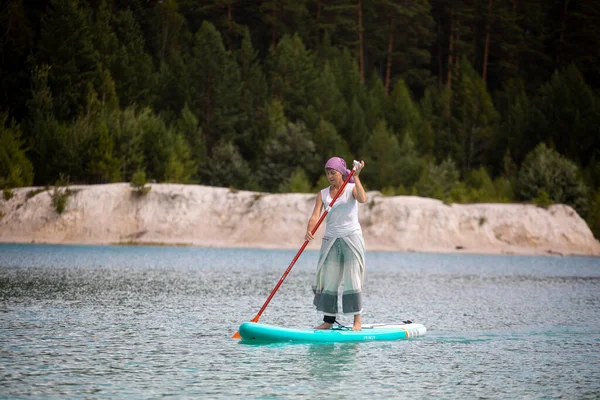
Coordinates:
388 191
297 183
546 171
440 181
138 183
593 219
60 194
482 185
543 200
504 190
34 192
7 193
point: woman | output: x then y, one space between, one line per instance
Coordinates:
342 257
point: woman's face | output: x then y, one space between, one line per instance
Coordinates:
333 176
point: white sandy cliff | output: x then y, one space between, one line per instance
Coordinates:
218 217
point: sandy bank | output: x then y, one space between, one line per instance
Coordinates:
218 217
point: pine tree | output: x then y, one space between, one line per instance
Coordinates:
408 32
382 157
103 166
292 76
567 114
253 101
105 40
66 45
189 126
215 86
476 118
15 168
282 17
291 147
403 116
17 39
133 71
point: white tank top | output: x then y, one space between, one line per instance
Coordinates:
342 219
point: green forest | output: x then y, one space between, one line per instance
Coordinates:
464 101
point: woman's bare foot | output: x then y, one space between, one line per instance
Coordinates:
324 325
357 326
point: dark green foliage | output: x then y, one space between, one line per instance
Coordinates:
439 181
476 118
33 193
409 26
227 168
189 126
7 194
515 116
15 169
567 114
382 158
167 30
593 218
17 39
258 95
215 84
104 38
66 44
545 173
297 183
291 147
403 115
253 121
292 75
138 183
103 164
436 109
133 68
481 187
329 143
60 193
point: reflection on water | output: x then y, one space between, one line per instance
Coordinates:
328 362
146 322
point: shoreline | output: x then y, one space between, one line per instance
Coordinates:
526 252
210 217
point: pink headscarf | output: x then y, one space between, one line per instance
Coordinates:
339 165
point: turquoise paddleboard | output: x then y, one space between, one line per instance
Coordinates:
253 331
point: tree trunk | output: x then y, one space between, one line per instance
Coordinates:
318 31
230 27
486 50
388 68
273 28
361 54
450 50
561 38
440 59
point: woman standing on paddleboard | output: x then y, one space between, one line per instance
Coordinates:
342 256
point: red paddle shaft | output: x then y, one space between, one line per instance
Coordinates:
287 271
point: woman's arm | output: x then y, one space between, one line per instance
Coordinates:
359 191
314 217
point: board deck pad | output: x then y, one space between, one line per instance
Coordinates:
253 331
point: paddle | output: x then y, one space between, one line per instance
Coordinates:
287 271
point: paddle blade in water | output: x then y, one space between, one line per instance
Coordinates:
236 335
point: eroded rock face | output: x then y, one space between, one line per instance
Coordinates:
219 217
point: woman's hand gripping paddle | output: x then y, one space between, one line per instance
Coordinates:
287 271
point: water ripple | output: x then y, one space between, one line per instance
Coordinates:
146 322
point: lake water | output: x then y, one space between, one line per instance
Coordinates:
150 322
